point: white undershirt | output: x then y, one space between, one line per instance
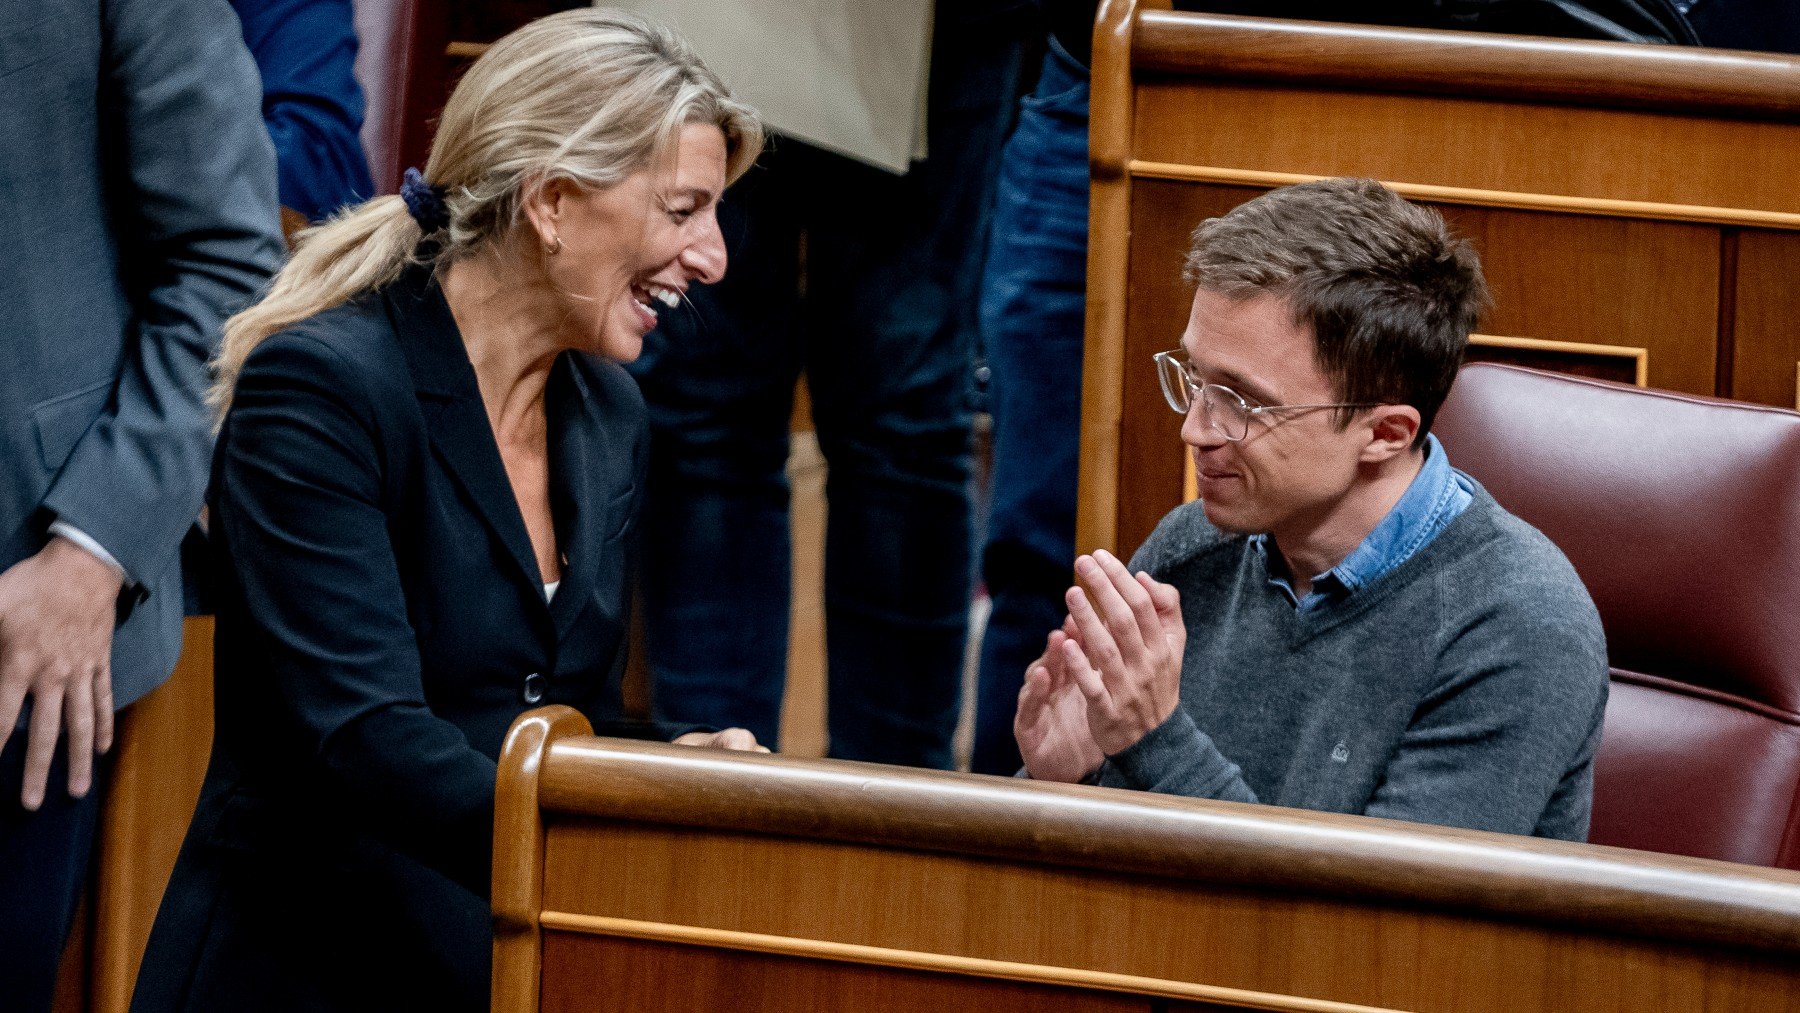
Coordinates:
550 590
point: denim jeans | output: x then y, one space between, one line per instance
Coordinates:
1033 304
884 332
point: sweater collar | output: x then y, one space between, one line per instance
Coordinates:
1437 494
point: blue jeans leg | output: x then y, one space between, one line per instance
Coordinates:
1033 305
891 292
715 560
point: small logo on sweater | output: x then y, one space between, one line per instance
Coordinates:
1340 753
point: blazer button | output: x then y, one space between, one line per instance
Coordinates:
534 688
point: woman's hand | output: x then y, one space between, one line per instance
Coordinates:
741 739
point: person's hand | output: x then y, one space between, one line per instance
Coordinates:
1051 723
56 624
1127 659
740 739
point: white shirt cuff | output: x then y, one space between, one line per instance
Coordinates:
63 529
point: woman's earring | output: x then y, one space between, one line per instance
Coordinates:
555 245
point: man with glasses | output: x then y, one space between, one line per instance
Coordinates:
1342 621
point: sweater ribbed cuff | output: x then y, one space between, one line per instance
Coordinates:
1175 758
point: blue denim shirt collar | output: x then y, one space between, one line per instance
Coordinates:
1437 495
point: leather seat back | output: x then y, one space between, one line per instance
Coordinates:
1682 515
386 37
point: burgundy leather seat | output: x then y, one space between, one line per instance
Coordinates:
1682 515
387 48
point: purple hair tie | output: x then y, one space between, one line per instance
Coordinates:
424 202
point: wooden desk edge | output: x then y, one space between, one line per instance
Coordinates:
1663 79
1609 890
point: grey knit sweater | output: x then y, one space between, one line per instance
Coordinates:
1464 688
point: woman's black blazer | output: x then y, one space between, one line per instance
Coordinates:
381 622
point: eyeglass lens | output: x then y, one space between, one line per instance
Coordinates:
1221 408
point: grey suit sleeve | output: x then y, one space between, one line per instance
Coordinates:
192 182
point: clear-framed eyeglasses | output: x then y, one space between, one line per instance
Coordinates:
1222 409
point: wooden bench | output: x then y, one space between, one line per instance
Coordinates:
1637 207
631 875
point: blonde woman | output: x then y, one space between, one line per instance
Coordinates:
429 459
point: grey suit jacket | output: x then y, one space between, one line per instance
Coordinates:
137 212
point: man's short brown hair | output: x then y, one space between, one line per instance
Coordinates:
1390 294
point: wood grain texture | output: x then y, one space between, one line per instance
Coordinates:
1324 855
936 963
1602 154
1635 362
957 873
1273 942
592 975
517 886
164 742
1607 281
1164 214
1512 67
1591 206
1766 345
1595 367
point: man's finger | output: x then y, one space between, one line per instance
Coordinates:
1053 659
1121 621
78 717
103 709
14 681
1036 690
1028 716
739 739
1136 597
1096 642
40 744
1166 597
1087 680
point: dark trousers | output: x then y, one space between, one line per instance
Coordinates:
884 332
1033 305
44 857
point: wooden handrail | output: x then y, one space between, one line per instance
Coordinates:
1469 65
1608 890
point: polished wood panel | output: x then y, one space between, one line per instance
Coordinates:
164 741
817 950
1599 362
1603 154
517 888
1163 215
669 871
1606 281
1766 343
591 974
1292 944
1594 206
1599 889
1425 61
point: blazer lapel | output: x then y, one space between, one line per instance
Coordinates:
455 417
587 473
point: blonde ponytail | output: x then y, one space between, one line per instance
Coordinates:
589 95
362 249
